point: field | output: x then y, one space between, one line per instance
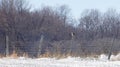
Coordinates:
65 62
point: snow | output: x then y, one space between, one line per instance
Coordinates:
66 62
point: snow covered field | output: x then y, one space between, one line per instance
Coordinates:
52 62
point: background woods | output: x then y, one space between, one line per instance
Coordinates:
52 31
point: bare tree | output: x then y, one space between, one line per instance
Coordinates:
89 22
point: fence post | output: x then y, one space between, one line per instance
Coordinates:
7 45
40 45
111 49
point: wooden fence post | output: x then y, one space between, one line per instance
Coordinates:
40 45
111 49
7 45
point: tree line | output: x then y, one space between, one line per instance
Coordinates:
51 30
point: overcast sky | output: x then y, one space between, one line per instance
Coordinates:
77 6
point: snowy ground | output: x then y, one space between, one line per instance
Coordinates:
68 62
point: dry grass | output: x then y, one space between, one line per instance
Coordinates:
57 55
25 55
14 55
1 56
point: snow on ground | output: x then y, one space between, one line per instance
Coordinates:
68 62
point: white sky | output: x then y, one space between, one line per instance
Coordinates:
77 6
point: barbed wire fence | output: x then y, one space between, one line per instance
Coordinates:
37 50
